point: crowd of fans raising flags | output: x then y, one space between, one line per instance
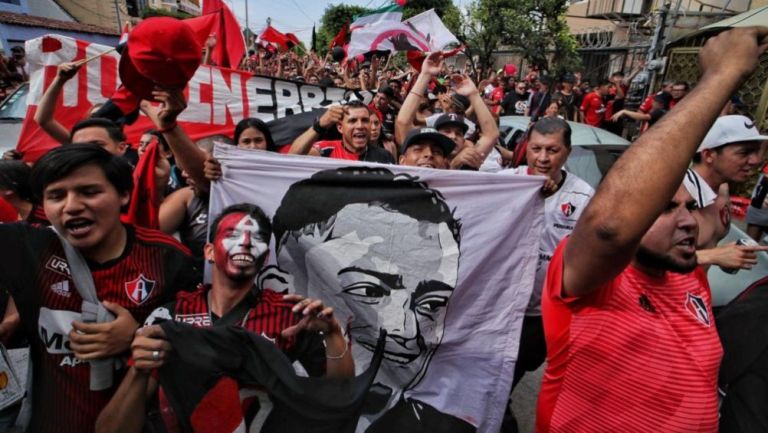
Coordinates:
437 117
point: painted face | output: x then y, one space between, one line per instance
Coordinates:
252 138
423 154
735 162
396 280
100 137
670 243
546 154
240 246
85 207
355 129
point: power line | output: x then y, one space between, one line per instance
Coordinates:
301 10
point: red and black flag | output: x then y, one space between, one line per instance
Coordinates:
211 369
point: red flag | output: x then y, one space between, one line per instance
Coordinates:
292 39
203 26
341 38
143 209
275 37
230 44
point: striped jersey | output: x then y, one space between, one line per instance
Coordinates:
34 269
640 354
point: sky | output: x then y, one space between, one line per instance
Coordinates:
295 16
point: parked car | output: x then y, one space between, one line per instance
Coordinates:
13 109
593 153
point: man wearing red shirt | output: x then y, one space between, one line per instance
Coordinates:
631 341
353 121
593 105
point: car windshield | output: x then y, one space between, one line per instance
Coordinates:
593 162
15 106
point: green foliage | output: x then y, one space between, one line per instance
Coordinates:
157 12
334 17
535 27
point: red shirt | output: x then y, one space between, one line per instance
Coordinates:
497 94
335 149
8 213
593 108
639 354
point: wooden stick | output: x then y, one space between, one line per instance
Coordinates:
84 61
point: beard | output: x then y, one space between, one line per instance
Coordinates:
666 262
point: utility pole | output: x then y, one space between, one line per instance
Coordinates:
246 16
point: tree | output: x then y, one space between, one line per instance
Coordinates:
149 12
334 17
535 27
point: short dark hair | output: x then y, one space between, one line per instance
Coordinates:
115 132
15 175
319 198
617 74
603 82
62 161
252 122
553 125
681 83
160 138
253 211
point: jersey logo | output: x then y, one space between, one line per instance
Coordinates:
139 289
200 320
58 265
158 316
698 308
568 209
202 218
61 288
749 125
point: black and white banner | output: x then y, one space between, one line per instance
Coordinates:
443 260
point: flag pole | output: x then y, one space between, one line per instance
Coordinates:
95 56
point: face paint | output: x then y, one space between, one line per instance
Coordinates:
239 247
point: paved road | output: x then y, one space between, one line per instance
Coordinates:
524 401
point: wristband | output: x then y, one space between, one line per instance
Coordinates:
317 128
168 128
420 96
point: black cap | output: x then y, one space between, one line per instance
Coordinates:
387 91
460 101
430 134
452 119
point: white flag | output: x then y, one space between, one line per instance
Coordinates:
386 36
444 261
432 28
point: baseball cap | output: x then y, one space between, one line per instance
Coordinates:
160 51
451 119
731 129
431 134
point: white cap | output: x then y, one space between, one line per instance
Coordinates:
731 129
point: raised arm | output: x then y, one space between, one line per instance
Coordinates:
642 182
303 143
406 117
488 129
47 104
188 156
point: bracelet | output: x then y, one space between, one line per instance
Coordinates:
337 357
317 128
420 96
168 129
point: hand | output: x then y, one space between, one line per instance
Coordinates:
433 64
332 116
468 156
211 41
549 187
66 71
732 256
317 317
148 340
212 168
172 103
463 85
12 154
735 51
616 116
100 340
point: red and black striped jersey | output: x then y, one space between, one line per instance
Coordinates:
34 269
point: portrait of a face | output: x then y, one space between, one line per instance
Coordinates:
386 262
239 246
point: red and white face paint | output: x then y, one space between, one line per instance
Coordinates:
239 247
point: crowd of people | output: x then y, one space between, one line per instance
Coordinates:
621 309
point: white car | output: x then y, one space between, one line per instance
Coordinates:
12 112
593 152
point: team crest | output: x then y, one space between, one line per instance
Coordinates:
568 209
139 289
698 308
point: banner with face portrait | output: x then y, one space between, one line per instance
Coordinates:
444 261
